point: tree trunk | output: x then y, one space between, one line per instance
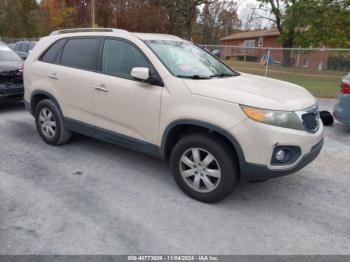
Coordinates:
287 60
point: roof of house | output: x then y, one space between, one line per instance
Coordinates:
252 34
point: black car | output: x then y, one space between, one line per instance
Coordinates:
23 48
11 80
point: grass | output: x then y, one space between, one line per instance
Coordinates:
320 83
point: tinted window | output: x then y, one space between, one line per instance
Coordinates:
81 53
52 55
18 46
32 45
120 57
24 48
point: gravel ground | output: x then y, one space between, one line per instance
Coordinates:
89 197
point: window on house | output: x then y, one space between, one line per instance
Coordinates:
249 43
261 41
306 63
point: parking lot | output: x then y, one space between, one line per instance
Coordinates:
89 197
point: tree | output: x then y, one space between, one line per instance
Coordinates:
249 17
303 22
325 23
218 19
181 15
18 18
59 14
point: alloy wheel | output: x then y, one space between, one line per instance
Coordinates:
47 122
200 170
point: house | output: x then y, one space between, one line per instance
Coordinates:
252 46
256 38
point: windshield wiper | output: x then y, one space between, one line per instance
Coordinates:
193 76
222 75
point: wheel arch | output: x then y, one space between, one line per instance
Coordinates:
177 129
40 95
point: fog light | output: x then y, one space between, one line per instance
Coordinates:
280 155
285 155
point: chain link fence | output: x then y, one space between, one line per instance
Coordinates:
318 70
7 40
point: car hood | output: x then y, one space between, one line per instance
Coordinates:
255 91
10 73
6 66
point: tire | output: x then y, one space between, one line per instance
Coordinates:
223 166
49 123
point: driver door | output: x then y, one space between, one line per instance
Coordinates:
123 105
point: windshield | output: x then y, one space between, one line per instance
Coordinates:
187 60
6 54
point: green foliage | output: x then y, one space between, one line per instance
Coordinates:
325 22
18 18
311 22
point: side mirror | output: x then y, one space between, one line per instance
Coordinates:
140 73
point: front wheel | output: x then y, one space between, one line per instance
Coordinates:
204 167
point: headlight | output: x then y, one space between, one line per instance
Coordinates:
274 118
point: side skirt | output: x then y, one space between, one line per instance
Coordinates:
111 137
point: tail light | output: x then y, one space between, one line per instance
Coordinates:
345 88
21 70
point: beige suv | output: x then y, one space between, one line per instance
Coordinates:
169 98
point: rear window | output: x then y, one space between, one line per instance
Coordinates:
52 55
81 53
18 46
24 48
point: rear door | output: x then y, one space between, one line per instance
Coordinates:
73 78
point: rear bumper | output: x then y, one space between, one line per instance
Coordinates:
342 110
254 172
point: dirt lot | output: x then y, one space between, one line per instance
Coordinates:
89 197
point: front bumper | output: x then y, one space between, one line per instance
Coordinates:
254 172
11 93
258 142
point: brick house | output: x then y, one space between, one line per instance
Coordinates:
252 46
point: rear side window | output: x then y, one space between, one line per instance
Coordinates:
81 53
52 55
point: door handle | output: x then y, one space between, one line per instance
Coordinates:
53 76
102 88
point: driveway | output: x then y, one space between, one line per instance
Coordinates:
90 197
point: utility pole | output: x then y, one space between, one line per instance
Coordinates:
93 22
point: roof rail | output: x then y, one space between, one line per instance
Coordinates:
83 30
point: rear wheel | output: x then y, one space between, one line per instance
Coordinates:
49 123
204 167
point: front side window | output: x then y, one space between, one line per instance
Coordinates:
81 53
120 57
186 60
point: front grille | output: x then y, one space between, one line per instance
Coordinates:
310 121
